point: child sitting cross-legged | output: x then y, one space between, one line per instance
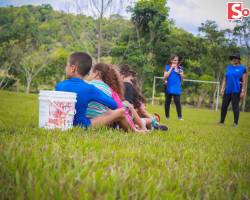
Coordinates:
79 65
107 78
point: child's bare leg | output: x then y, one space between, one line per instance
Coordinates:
137 119
123 123
148 122
111 116
108 117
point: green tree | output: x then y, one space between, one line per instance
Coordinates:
144 43
218 49
32 64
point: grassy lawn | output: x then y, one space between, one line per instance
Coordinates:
196 159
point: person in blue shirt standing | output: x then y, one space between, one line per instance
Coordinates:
233 88
173 76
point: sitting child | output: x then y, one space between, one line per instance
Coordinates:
107 78
79 65
134 95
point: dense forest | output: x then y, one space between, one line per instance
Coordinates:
35 42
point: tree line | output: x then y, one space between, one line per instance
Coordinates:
35 42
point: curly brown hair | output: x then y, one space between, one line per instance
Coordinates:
111 76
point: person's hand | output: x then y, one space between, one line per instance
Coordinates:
173 66
242 94
128 105
120 111
144 129
165 75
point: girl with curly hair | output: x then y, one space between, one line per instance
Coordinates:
107 79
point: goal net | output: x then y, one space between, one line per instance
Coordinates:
198 93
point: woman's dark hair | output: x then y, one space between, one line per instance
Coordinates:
139 97
111 76
235 56
82 61
173 56
126 71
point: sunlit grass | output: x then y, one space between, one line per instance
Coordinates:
196 159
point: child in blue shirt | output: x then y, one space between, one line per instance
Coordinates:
79 65
233 88
173 75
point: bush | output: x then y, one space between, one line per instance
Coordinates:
6 82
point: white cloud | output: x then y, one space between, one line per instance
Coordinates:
189 14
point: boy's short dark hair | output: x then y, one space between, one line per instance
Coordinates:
82 60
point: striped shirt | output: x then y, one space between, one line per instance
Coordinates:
96 109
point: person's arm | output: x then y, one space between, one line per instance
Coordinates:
143 112
182 75
223 87
100 97
244 84
137 118
167 72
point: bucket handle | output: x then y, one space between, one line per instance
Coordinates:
59 107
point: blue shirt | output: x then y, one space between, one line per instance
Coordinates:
233 78
85 94
173 81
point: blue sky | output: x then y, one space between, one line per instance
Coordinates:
187 14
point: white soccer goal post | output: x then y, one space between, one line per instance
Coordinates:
196 81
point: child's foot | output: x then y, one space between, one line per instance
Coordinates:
167 118
235 125
180 118
161 127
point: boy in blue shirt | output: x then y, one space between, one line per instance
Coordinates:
79 65
233 88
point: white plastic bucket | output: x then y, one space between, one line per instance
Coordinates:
56 109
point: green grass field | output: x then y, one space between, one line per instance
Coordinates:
196 159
